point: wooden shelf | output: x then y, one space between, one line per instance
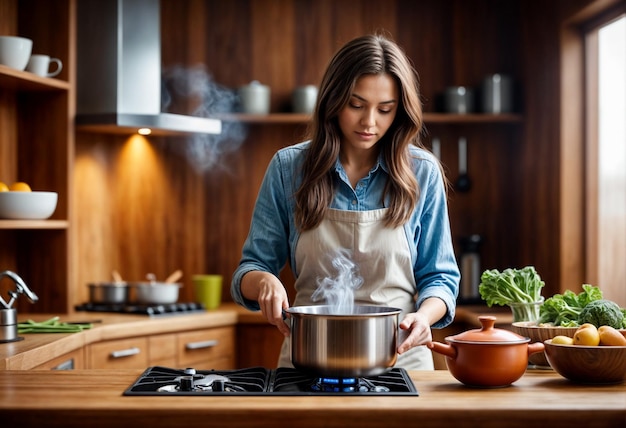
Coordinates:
12 79
277 118
34 224
295 118
472 118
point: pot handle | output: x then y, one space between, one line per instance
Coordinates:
444 349
533 348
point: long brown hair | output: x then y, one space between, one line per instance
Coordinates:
366 55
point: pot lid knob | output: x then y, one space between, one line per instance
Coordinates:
488 333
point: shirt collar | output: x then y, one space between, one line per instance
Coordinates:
380 162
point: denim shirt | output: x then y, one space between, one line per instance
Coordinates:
273 233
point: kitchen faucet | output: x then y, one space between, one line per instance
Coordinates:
20 288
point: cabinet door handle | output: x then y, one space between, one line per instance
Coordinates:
65 365
125 353
202 345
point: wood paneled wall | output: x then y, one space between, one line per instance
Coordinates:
154 212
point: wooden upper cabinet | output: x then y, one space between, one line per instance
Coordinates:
36 146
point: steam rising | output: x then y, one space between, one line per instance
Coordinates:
203 151
339 291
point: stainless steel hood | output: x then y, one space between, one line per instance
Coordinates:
119 71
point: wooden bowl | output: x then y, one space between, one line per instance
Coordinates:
537 333
588 364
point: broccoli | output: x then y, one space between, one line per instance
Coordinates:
564 309
510 286
602 312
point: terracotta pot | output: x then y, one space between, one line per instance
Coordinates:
487 357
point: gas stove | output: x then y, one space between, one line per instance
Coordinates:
141 309
164 381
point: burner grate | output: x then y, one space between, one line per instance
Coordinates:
164 381
394 382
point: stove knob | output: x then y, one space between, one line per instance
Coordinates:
190 371
217 385
186 383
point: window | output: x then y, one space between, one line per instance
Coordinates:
605 53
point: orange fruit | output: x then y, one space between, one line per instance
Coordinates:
610 336
587 335
3 187
19 186
562 340
587 325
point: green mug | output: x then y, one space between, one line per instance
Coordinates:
208 289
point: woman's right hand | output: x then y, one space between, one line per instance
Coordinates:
271 295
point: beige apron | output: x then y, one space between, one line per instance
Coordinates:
384 262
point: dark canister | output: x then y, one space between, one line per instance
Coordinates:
497 94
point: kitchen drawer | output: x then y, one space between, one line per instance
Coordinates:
207 349
74 360
119 354
163 349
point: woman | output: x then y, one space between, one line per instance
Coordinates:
363 185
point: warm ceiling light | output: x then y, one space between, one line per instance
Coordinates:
144 131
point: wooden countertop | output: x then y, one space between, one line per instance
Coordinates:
36 349
94 398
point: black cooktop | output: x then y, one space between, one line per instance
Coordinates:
152 310
164 381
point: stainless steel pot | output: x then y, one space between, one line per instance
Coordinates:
160 293
108 292
362 343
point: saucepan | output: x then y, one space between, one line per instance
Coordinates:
110 292
361 343
156 292
151 291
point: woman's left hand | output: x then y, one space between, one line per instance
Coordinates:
419 331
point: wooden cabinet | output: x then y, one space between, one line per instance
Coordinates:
207 349
258 345
36 146
131 353
74 360
163 349
212 348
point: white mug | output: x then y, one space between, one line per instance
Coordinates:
40 65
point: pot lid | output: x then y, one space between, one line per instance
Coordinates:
488 333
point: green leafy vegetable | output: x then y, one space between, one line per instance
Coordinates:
564 309
51 325
510 286
602 312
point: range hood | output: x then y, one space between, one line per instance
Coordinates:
119 71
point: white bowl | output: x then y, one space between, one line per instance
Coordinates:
15 51
27 205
